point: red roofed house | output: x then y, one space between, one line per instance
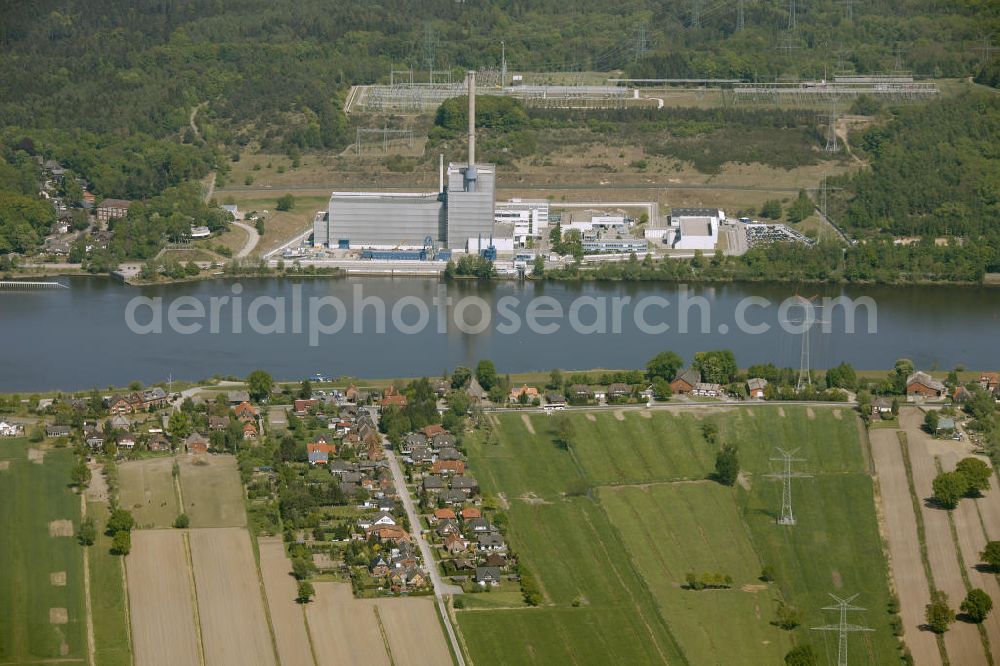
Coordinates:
319 453
393 398
470 512
530 391
922 385
249 431
196 443
301 407
448 467
245 411
444 514
432 430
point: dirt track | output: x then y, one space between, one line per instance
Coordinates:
160 600
900 527
962 641
233 620
287 616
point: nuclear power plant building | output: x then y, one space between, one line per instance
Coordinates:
449 217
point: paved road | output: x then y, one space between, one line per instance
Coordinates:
328 187
440 587
679 404
252 239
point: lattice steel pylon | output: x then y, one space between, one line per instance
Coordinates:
843 628
786 476
832 144
740 16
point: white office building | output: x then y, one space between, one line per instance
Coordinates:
529 217
695 228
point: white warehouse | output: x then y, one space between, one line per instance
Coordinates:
695 228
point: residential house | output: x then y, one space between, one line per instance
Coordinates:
921 385
443 440
111 209
581 392
432 484
402 578
443 514
449 453
618 390
196 443
94 439
390 533
685 382
455 543
487 576
446 527
249 431
961 395
57 431
158 442
245 412
411 441
882 407
530 393
990 381
441 387
466 484
218 422
433 430
378 567
119 422
555 400
470 512
490 542
392 398
319 453
445 467
10 429
236 397
351 394
453 497
479 526
383 518
946 425
475 391
119 404
755 388
301 407
707 389
126 442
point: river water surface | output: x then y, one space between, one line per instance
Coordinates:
77 338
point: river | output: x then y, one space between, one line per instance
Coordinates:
77 338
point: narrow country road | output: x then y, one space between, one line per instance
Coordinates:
440 587
252 239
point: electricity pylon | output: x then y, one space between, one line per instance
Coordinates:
843 628
786 476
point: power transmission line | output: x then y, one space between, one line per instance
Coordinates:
695 13
740 16
786 476
843 628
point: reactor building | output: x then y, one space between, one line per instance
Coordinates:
461 210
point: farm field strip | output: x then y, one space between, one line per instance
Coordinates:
107 597
344 632
39 619
962 641
161 600
234 626
146 488
287 616
413 630
900 526
212 491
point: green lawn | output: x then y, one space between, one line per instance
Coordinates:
623 549
107 597
32 495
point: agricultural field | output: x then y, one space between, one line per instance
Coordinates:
345 630
212 491
109 607
234 628
146 488
42 608
619 519
287 616
161 600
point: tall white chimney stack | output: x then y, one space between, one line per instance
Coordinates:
440 173
472 119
